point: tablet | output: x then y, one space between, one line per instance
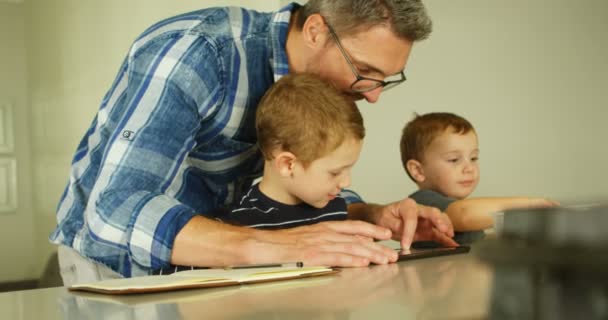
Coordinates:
432 252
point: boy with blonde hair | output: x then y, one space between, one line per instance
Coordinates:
440 153
307 158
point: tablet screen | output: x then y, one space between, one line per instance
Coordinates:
432 252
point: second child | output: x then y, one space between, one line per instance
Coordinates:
440 153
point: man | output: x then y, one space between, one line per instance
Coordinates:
175 138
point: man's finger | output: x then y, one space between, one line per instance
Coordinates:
336 237
434 215
373 252
359 228
354 241
365 239
448 223
441 221
444 239
334 259
408 211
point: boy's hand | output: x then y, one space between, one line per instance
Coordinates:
410 222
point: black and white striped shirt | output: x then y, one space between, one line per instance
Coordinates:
256 210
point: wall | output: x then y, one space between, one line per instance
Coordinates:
17 227
529 75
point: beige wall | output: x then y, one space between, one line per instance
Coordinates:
17 227
531 79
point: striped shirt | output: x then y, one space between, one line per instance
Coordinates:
173 137
256 210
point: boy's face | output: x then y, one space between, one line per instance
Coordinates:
325 177
450 164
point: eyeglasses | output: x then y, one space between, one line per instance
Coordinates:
363 84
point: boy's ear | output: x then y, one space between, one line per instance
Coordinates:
414 167
284 163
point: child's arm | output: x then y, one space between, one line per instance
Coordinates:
474 213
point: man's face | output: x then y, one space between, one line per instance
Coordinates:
376 53
450 164
325 177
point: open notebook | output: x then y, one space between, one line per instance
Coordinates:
200 278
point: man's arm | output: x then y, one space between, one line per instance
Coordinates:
170 89
474 213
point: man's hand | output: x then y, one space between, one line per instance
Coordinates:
410 222
335 243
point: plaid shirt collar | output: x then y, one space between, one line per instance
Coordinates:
279 27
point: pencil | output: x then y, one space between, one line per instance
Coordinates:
298 264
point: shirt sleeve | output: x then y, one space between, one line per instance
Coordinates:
174 85
431 198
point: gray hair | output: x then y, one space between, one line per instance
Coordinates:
407 18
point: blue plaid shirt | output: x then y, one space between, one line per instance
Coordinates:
173 137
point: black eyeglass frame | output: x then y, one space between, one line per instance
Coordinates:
386 85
